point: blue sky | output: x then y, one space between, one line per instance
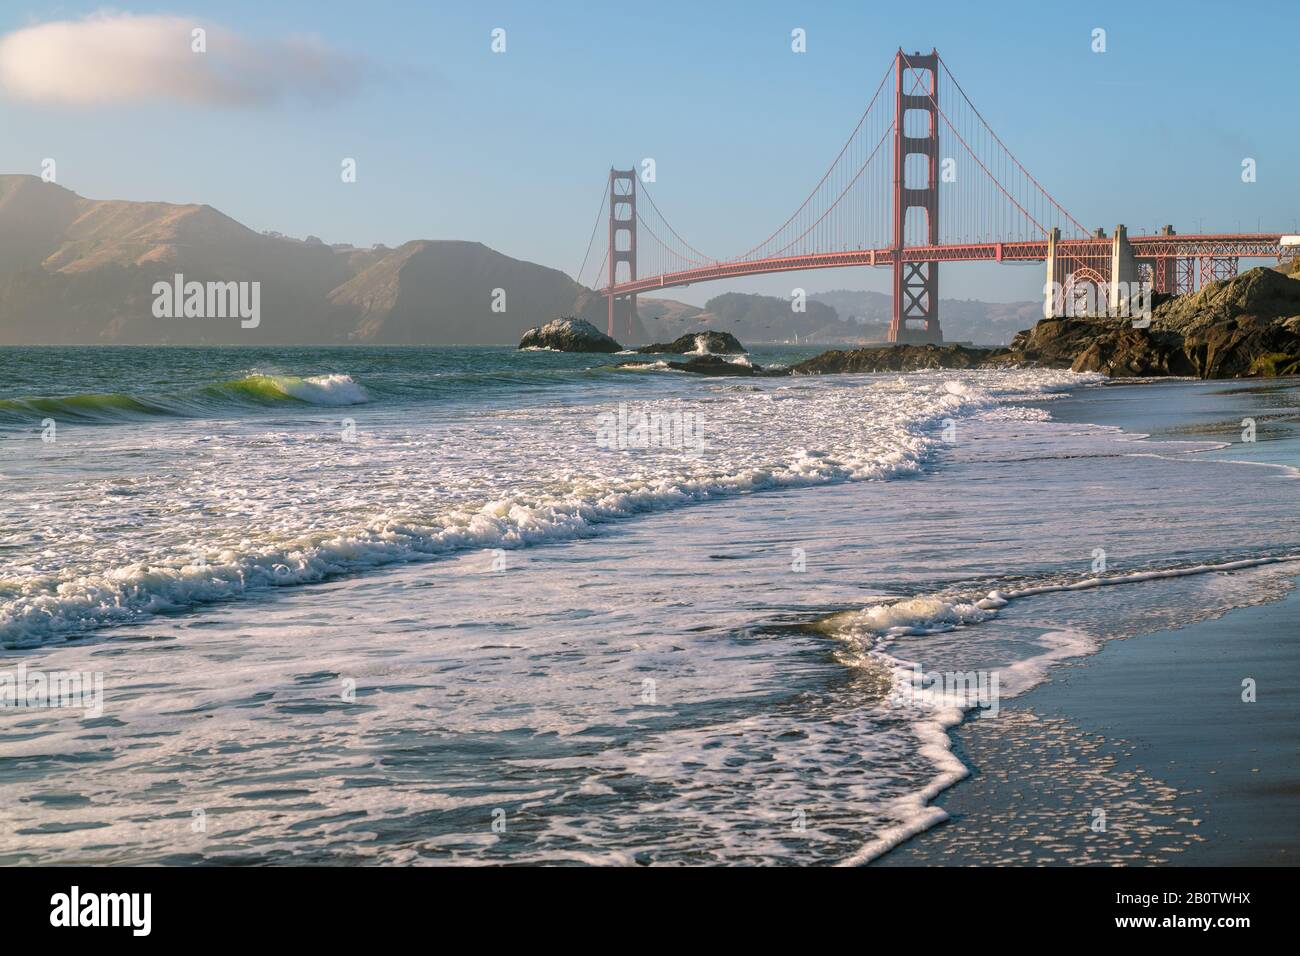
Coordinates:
453 141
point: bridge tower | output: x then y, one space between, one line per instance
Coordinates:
622 220
916 284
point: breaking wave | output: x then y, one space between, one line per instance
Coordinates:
38 607
251 390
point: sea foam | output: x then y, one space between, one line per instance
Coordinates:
410 507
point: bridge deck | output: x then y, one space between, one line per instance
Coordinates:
1226 245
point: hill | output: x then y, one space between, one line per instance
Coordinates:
82 271
753 318
962 320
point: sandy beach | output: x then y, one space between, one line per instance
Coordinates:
1154 730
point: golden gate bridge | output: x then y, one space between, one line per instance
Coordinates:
919 141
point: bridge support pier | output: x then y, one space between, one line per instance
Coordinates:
1122 292
1053 306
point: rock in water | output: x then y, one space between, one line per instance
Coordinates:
712 365
567 334
703 343
707 365
893 358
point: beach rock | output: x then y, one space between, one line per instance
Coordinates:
1110 346
709 365
567 334
893 358
710 343
1134 353
712 365
1259 293
1055 343
1235 328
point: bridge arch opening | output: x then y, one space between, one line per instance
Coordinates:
1082 294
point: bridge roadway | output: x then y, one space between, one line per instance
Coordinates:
1224 245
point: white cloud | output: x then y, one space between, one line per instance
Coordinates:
110 58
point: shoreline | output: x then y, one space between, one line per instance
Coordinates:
1190 774
1146 751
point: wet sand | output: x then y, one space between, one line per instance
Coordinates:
1153 732
1147 752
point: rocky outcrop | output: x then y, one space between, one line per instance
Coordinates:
896 358
567 334
707 343
1133 353
1240 327
1110 346
711 365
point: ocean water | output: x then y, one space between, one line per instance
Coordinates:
483 606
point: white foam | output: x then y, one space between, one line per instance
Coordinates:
701 345
870 630
660 366
920 615
931 615
1138 576
334 389
276 514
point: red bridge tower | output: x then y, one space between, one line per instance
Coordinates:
622 221
916 284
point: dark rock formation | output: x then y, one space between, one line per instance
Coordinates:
712 343
712 365
568 334
1246 326
1127 352
1111 346
1240 327
896 358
